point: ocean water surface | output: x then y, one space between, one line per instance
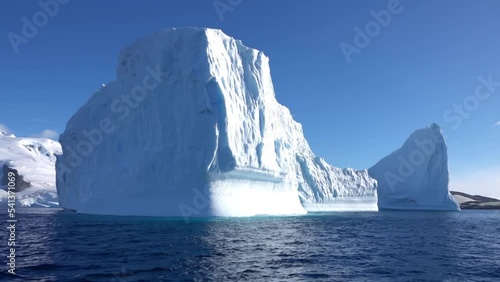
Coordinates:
55 245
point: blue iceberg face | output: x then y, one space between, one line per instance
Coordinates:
416 177
191 127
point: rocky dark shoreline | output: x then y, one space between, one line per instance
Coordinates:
476 202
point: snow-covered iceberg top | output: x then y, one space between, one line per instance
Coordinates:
191 127
4 133
34 160
416 176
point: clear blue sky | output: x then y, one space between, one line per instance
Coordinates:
426 60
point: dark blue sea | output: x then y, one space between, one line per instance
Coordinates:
55 245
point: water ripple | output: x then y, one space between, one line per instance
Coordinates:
384 246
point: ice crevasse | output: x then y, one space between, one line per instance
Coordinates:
191 127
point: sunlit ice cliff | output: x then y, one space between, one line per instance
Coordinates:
191 127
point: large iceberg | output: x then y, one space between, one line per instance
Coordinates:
191 127
416 177
33 160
